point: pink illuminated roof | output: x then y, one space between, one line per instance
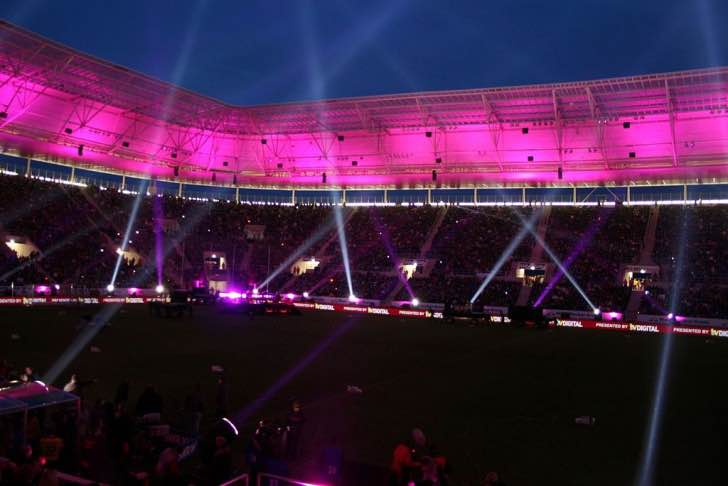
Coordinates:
654 127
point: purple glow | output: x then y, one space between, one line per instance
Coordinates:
158 238
615 315
132 290
384 234
581 245
471 158
42 289
290 296
253 406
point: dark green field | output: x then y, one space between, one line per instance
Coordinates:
492 398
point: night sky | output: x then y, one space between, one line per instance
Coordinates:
246 52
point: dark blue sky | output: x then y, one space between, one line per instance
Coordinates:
246 52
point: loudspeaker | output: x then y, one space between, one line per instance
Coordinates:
174 155
561 173
632 155
80 150
530 158
428 134
438 160
68 131
323 177
235 179
524 130
626 125
176 171
214 177
280 165
125 144
340 138
263 141
434 175
354 163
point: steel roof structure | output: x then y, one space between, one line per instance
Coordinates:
59 104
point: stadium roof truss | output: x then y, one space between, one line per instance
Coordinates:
59 104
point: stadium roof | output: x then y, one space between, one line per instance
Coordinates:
62 105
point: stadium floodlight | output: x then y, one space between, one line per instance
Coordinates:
353 298
529 226
305 295
255 291
597 311
342 242
110 288
415 302
310 241
652 435
505 255
129 225
290 296
159 288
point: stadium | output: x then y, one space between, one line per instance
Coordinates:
534 278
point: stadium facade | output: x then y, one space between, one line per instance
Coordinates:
68 116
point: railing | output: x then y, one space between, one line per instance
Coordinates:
241 480
273 480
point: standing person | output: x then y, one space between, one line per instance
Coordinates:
223 396
294 423
122 393
404 467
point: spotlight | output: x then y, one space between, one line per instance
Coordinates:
290 296
305 295
415 302
642 270
110 288
670 316
80 150
597 311
159 288
255 291
12 242
647 292
57 287
353 298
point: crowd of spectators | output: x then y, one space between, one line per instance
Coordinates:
78 231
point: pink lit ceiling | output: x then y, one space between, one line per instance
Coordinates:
656 127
